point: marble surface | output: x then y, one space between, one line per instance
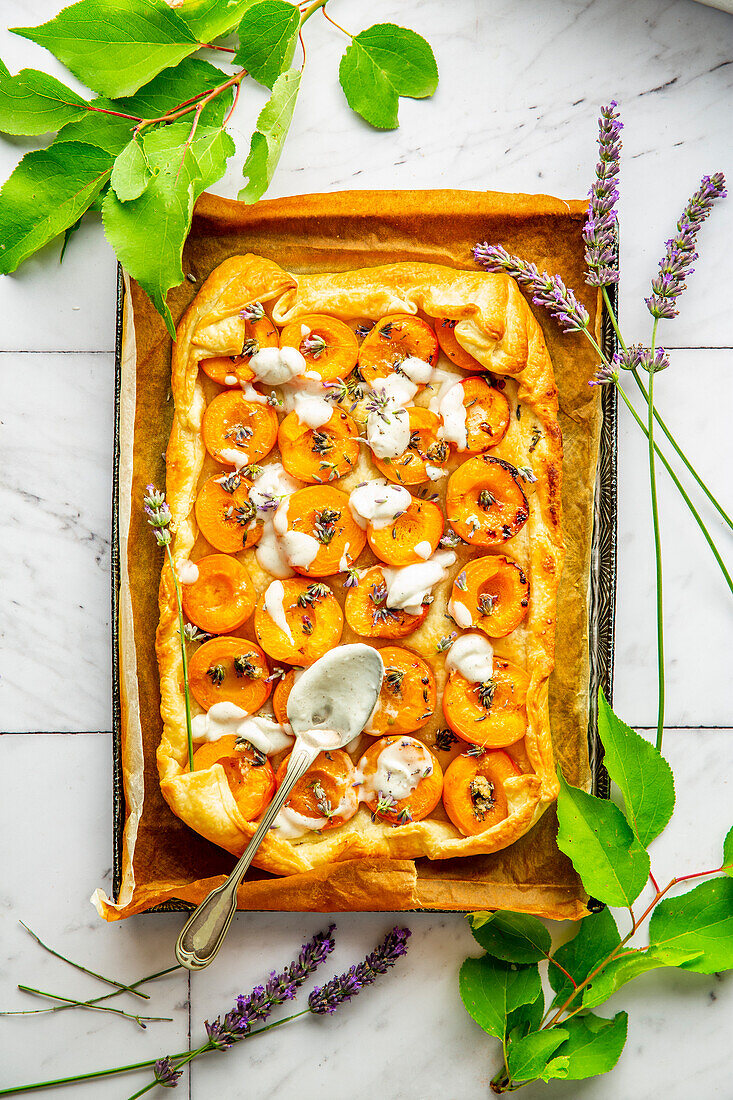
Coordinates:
515 110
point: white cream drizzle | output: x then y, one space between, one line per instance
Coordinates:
399 769
471 655
378 503
345 560
224 719
272 487
408 585
417 370
234 457
187 571
291 825
306 397
453 415
435 473
231 379
441 381
275 366
249 393
274 596
423 550
460 613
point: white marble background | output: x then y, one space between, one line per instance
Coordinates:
521 81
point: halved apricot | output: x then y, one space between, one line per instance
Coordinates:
473 791
222 598
231 370
326 791
485 503
411 538
426 453
298 622
323 513
329 347
492 714
416 761
408 696
491 593
487 414
392 340
243 430
249 774
368 615
229 670
225 515
450 346
281 694
319 454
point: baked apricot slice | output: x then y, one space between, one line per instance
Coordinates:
322 513
485 503
328 346
222 598
237 431
319 454
298 622
225 515
450 347
487 414
408 696
492 714
394 339
231 370
491 593
249 774
326 792
394 765
230 670
473 791
368 615
411 538
281 694
426 453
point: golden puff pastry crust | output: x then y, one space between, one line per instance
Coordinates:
494 325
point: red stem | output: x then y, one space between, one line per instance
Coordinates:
230 112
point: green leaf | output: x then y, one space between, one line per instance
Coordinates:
526 1017
701 922
728 854
210 19
115 46
382 64
526 1058
48 191
267 37
630 966
594 941
640 772
212 148
514 937
105 131
130 174
4 70
599 841
35 103
148 233
593 1046
490 989
267 140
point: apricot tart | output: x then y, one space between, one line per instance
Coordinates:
367 456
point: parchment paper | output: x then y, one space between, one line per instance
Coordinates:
162 858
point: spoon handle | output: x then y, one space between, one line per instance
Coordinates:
204 931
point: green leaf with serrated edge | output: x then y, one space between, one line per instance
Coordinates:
526 1058
48 191
594 941
4 70
115 46
105 131
556 1069
267 140
601 845
526 1017
630 966
212 149
209 19
490 989
700 921
35 103
593 1046
267 37
148 233
130 174
639 771
514 937
382 64
728 854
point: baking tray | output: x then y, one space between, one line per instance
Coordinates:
602 582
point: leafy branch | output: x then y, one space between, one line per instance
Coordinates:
155 137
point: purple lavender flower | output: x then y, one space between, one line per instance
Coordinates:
158 513
547 291
679 255
637 356
263 999
166 1074
606 373
255 311
599 231
345 986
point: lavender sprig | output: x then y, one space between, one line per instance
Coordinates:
600 229
548 291
333 994
679 255
166 1074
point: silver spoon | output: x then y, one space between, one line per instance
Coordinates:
328 707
